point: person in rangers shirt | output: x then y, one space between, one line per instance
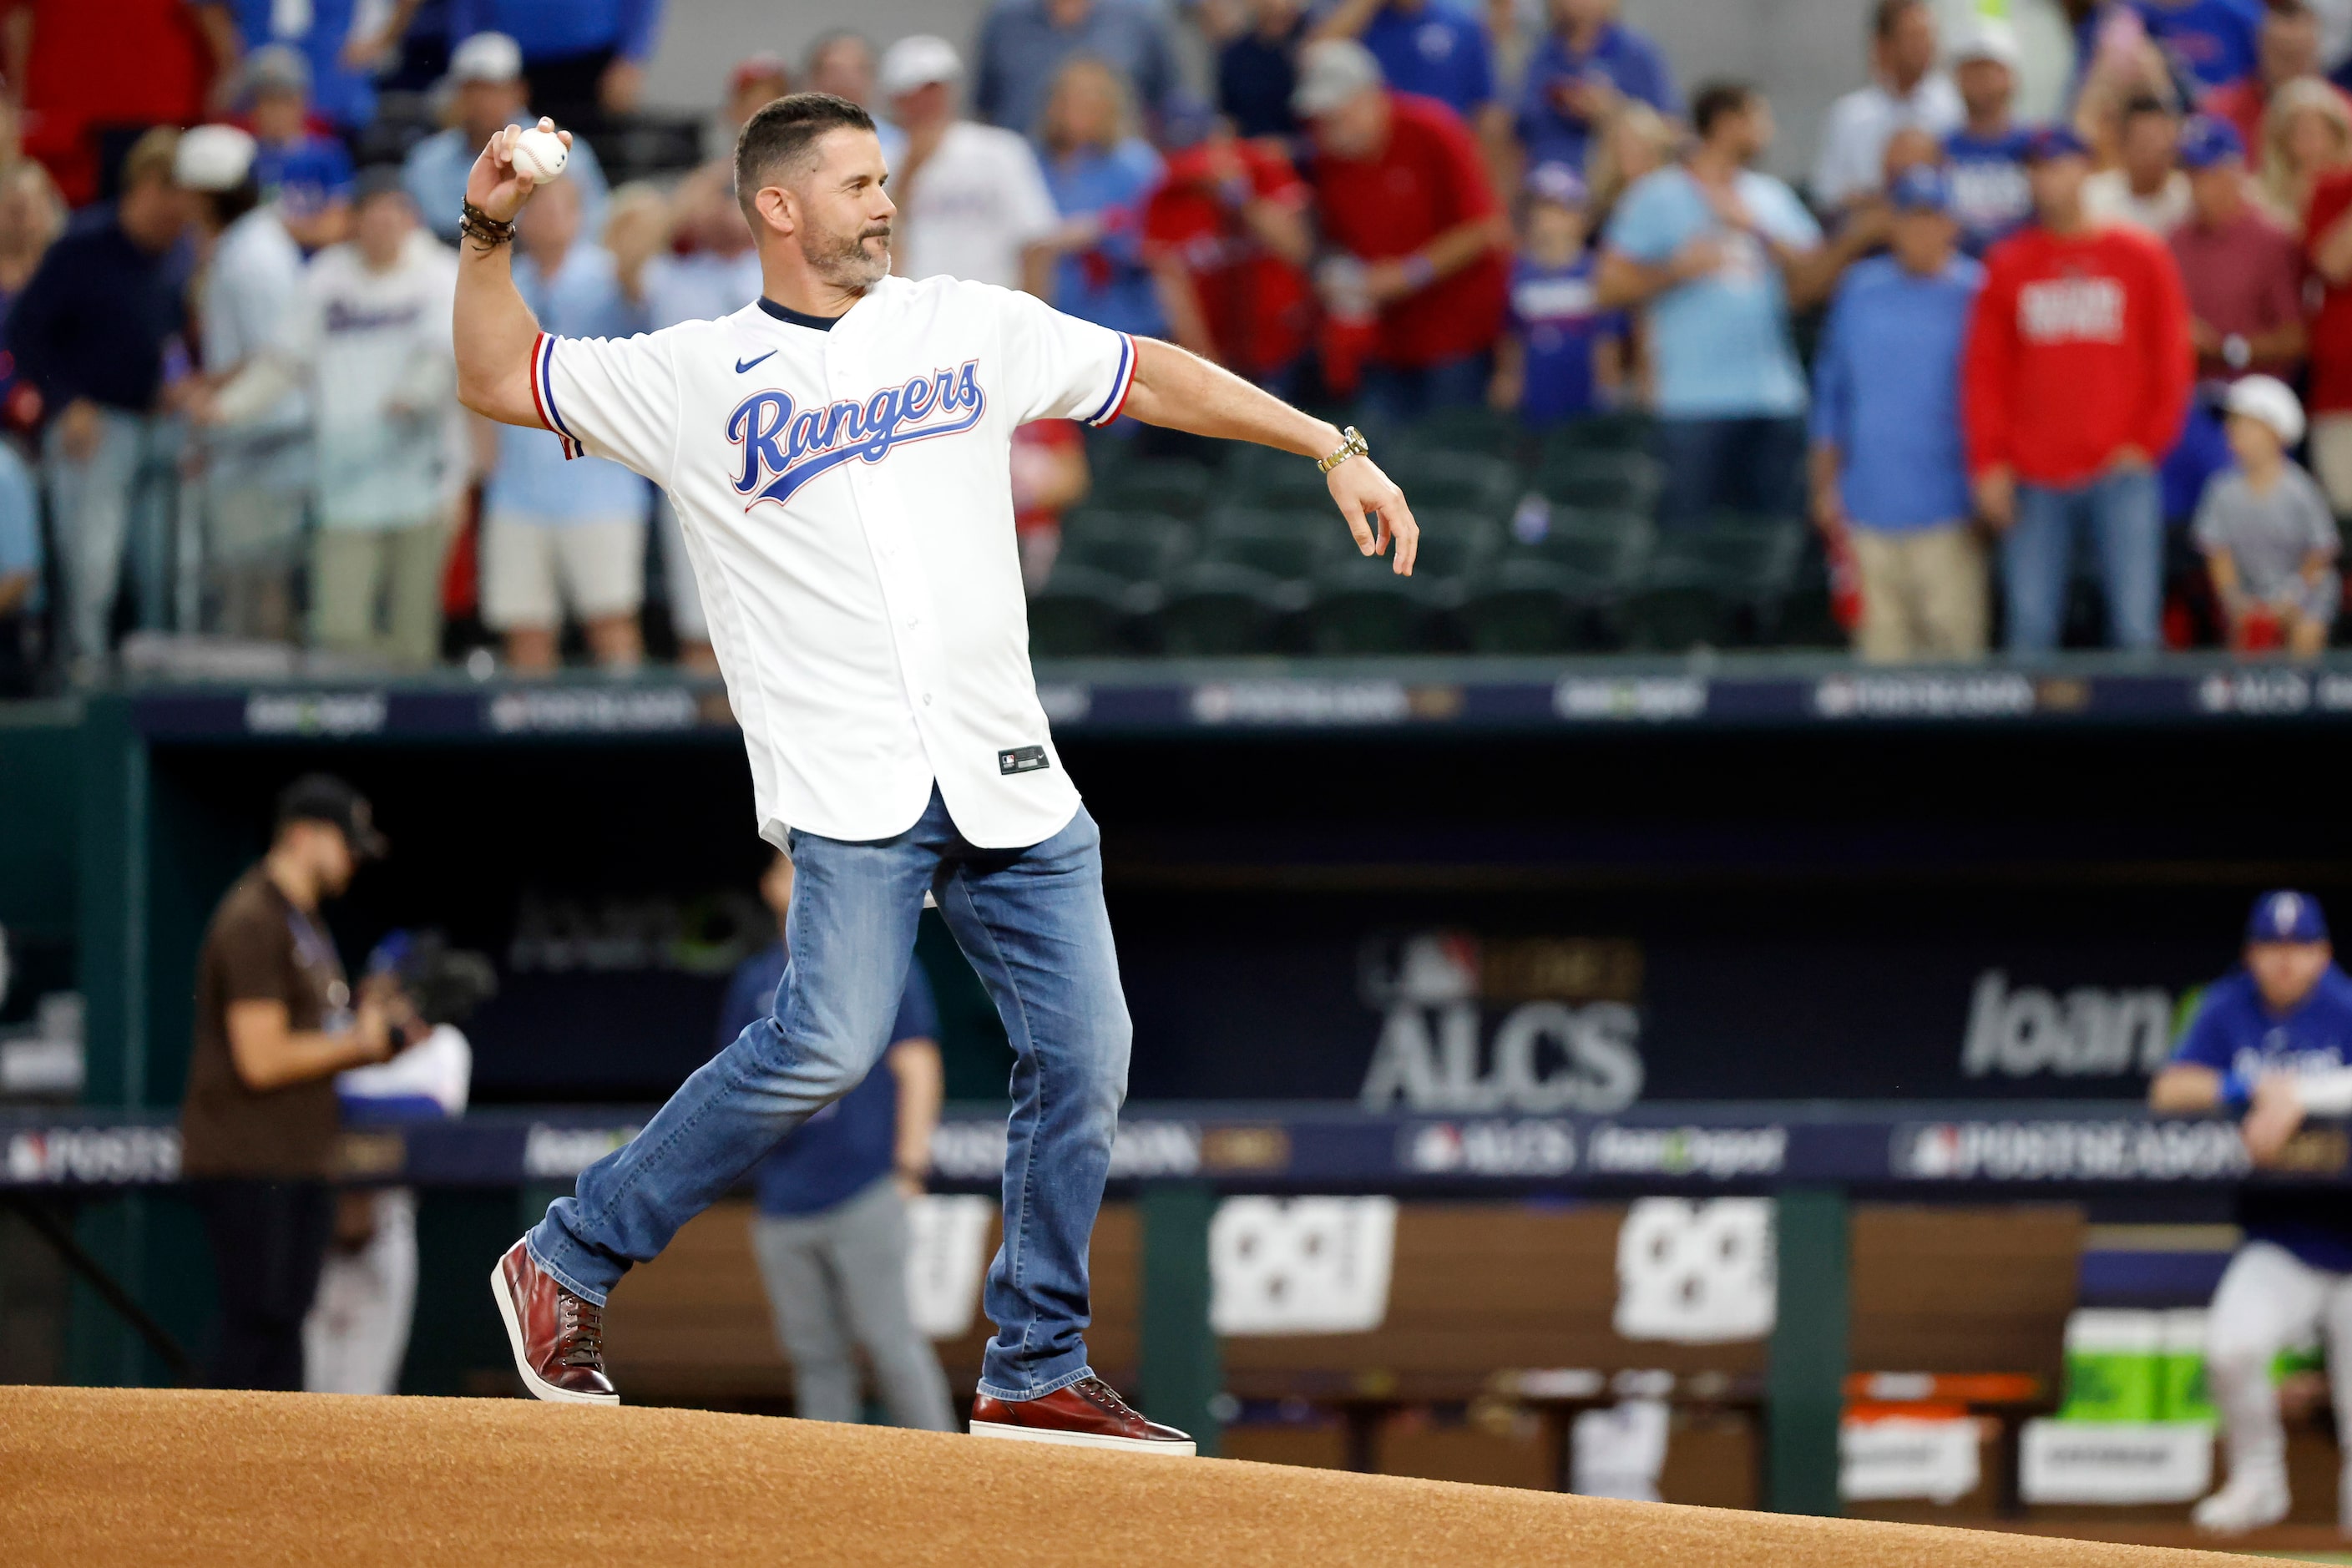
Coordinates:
2076 381
839 454
2270 1044
1226 232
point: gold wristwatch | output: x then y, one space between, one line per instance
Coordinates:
1353 446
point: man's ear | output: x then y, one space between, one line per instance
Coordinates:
775 204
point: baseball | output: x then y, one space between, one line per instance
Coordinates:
541 153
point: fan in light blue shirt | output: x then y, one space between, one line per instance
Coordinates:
1720 342
582 297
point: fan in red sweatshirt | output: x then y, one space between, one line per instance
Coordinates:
2079 350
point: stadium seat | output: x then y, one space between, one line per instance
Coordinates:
1626 481
1261 477
1464 481
1478 432
1722 584
1618 432
1283 544
1083 612
1166 485
1220 607
1454 543
1528 605
1135 546
1360 605
1609 545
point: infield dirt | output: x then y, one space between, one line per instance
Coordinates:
123 1475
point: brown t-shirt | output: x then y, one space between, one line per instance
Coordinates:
259 948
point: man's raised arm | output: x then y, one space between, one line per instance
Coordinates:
1181 390
495 330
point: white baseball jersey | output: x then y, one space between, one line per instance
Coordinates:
846 498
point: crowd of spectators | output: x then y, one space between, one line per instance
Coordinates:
1970 350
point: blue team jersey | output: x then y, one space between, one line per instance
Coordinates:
850 1145
2217 42
1558 323
2234 1032
1992 197
1434 52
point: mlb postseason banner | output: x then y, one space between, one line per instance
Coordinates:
1356 696
1692 1148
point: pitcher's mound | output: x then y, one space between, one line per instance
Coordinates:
119 1476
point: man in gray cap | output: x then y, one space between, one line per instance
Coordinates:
1405 202
486 73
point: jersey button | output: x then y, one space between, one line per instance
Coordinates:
927 700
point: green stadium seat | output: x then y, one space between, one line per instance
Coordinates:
1479 432
1721 584
1261 477
1219 607
1362 607
1626 481
1608 546
1083 612
1623 431
1283 544
1464 481
1454 544
1527 604
1168 484
1135 546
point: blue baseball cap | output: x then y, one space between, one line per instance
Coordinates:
2054 141
2286 916
2208 140
1921 188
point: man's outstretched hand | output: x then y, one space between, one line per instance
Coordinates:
493 184
1375 511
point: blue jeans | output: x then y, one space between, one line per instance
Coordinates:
113 504
1033 924
2125 513
1754 466
1397 394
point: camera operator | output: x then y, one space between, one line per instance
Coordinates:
356 1336
276 1020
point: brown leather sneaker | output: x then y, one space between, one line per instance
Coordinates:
1085 1415
558 1337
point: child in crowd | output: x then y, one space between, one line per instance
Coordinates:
2268 536
1561 355
306 172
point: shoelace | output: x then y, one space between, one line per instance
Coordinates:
580 1336
1102 1394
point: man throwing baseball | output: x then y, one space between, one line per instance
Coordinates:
839 454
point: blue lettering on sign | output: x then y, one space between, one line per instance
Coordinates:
783 446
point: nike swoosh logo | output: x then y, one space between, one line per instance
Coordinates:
743 364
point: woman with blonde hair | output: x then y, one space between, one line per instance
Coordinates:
1100 173
2306 132
1637 140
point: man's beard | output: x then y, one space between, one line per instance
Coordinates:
845 261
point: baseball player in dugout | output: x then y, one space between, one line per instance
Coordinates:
839 452
276 1021
2271 1044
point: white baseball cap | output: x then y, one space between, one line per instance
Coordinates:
486 56
213 158
1330 73
2267 399
918 61
1987 38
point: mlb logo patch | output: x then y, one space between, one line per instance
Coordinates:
1021 760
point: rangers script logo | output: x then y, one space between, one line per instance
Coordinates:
784 447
